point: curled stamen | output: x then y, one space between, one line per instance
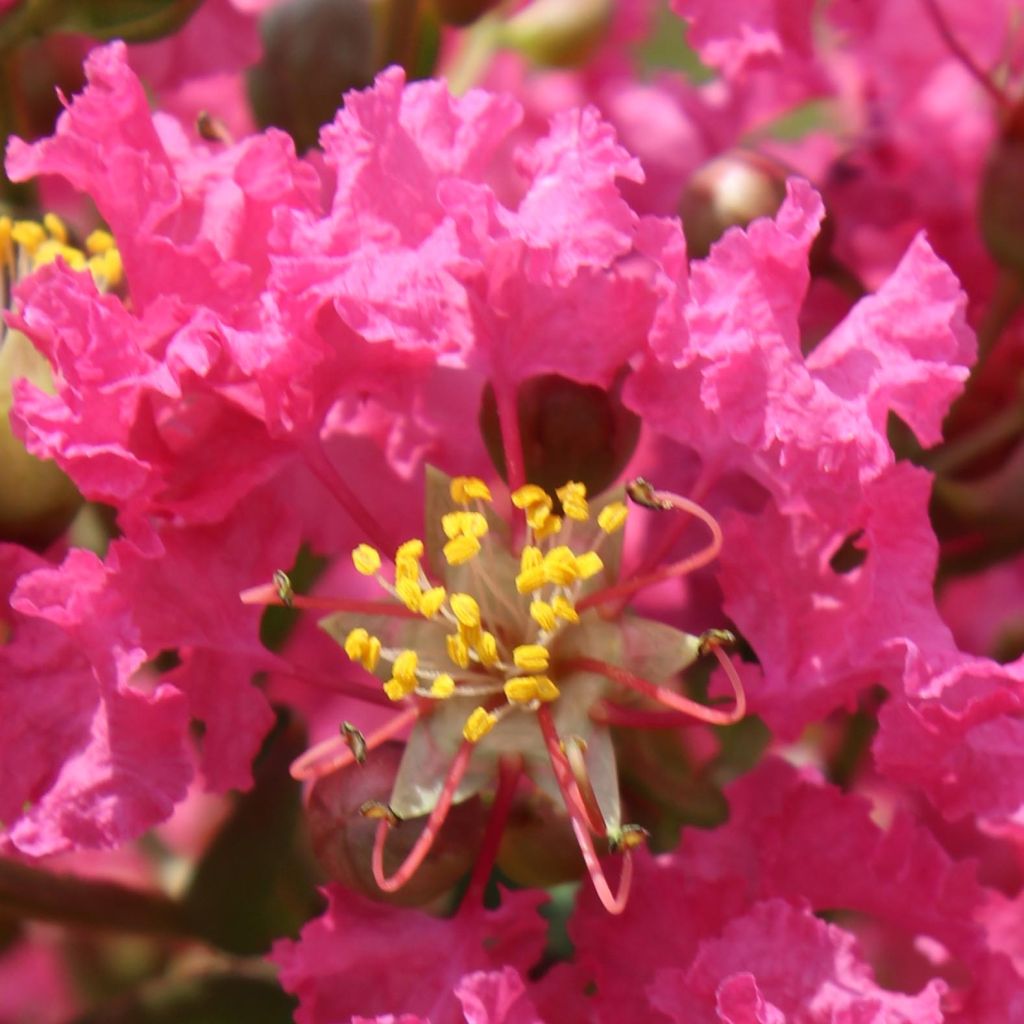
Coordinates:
662 501
607 713
589 813
670 698
430 831
271 594
575 748
338 752
614 903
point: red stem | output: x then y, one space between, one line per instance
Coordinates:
430 831
334 753
585 806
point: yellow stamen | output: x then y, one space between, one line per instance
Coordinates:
466 610
404 669
543 614
409 594
410 549
461 549
49 250
479 724
459 524
28 234
612 517
366 560
465 489
431 601
107 268
394 690
487 649
564 609
531 657
530 494
443 686
588 564
573 497
363 648
55 226
550 526
560 566
99 241
524 689
458 650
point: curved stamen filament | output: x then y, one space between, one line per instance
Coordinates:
670 698
665 501
430 831
589 813
510 769
335 752
268 594
614 903
607 713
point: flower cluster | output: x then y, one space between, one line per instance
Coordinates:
537 534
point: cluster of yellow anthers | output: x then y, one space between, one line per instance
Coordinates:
505 675
28 244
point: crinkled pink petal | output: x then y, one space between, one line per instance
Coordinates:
368 958
736 34
958 735
788 837
778 962
95 761
496 997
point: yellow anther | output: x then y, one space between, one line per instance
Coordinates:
431 601
543 614
366 560
55 226
410 549
461 549
394 690
531 657
573 497
404 669
460 524
479 724
465 609
538 516
530 580
487 649
465 489
6 245
564 609
527 688
458 650
612 517
530 558
588 564
409 594
99 241
550 526
530 494
406 568
443 686
362 647
107 268
28 234
560 566
49 250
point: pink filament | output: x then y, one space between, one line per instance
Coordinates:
426 839
334 753
607 713
689 564
614 903
266 594
510 769
668 697
584 804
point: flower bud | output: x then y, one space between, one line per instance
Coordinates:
558 33
314 51
37 501
342 837
569 431
729 191
101 19
1001 200
538 848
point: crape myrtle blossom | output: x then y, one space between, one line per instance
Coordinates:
226 375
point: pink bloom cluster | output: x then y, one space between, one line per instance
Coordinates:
300 337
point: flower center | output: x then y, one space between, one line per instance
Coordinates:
498 630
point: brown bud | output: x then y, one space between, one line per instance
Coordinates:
558 33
